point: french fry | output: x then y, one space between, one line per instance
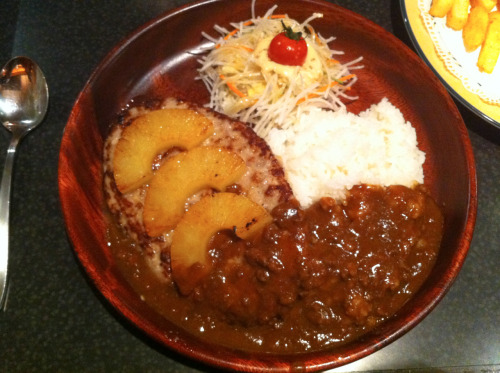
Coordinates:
494 15
486 4
474 31
458 14
490 50
440 8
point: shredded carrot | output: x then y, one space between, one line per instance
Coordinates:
231 34
232 87
245 48
325 87
277 16
347 77
237 46
315 36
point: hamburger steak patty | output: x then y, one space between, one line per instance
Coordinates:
264 181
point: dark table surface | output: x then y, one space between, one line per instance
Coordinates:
57 321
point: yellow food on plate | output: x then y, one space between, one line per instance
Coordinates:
458 15
150 135
480 25
486 4
494 16
182 176
189 250
474 30
440 8
491 47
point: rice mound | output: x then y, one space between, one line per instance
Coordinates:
326 153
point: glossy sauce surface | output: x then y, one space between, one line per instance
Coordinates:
314 278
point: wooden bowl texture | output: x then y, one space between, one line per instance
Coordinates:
160 59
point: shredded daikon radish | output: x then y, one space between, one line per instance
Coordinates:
244 84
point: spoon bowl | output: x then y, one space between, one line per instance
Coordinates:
24 98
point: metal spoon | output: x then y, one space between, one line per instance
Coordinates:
24 98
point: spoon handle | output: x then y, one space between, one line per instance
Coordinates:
4 219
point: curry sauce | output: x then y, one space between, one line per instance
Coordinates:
315 277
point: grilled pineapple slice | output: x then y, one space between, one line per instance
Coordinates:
191 238
183 175
151 134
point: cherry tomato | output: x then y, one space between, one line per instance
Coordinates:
288 48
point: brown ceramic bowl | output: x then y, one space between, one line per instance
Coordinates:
152 62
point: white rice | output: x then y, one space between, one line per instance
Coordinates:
327 153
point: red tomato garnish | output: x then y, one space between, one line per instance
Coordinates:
288 48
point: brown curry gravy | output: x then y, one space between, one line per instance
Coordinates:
315 278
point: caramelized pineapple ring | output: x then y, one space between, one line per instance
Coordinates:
182 176
213 213
150 135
